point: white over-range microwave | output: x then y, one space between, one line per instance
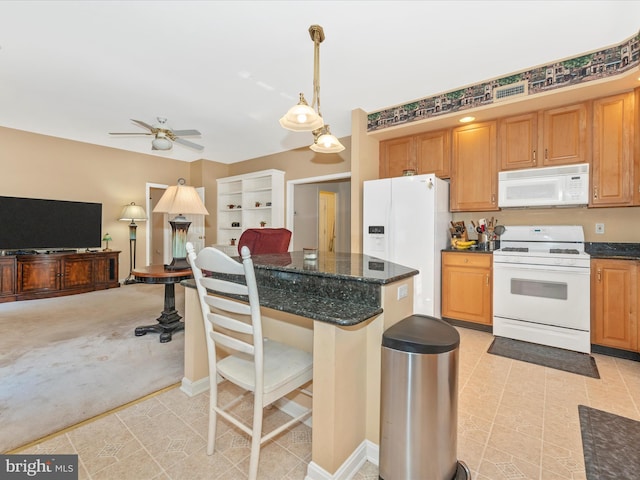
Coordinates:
563 186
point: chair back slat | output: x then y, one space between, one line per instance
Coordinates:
232 343
215 260
224 286
229 323
228 305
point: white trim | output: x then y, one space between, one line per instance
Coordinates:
195 388
302 181
366 451
149 222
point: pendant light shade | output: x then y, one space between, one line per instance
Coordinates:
325 141
301 117
305 118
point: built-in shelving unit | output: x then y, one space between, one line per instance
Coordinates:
245 201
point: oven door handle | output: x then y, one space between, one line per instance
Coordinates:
542 268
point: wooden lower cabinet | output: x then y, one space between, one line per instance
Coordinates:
7 279
614 303
53 275
467 287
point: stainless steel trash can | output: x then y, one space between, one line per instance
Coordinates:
419 401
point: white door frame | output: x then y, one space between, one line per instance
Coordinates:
301 181
166 230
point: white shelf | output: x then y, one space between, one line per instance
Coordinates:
266 186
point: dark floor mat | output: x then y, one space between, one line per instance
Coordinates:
610 445
551 357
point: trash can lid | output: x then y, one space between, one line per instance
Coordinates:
421 334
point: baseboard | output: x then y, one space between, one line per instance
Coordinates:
194 388
366 451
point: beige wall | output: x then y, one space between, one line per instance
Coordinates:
39 166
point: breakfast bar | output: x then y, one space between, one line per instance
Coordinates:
338 307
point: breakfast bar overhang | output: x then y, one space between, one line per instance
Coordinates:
338 307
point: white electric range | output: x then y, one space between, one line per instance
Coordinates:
541 286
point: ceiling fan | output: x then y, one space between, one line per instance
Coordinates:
164 135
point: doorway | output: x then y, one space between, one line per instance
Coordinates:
304 211
327 221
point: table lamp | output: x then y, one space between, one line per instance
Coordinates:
132 213
106 238
178 200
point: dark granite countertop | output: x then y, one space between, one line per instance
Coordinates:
621 251
337 288
468 250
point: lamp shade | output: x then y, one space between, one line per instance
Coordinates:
326 142
133 213
107 238
180 199
301 118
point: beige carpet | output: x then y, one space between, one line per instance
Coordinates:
67 359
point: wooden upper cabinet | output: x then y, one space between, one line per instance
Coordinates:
428 152
433 153
396 155
613 127
474 168
565 135
519 141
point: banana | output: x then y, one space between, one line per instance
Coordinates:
468 243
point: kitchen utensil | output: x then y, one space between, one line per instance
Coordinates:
499 230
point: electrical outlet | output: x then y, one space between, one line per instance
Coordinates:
403 291
600 228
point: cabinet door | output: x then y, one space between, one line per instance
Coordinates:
613 304
433 153
77 272
105 270
519 141
7 276
467 287
613 126
396 155
565 135
39 275
474 170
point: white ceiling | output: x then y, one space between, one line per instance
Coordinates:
231 69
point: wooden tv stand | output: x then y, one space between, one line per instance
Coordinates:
43 275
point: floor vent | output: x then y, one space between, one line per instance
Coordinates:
520 89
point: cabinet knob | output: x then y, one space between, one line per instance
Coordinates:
595 191
466 260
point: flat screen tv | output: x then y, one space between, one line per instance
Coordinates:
33 224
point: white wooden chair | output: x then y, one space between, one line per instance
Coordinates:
268 369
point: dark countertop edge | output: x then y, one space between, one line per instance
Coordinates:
615 250
311 273
361 313
467 250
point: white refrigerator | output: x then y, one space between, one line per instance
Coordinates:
406 221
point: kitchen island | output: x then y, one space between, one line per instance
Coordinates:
337 307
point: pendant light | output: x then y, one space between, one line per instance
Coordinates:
325 141
305 118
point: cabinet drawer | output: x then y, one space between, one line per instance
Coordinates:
467 259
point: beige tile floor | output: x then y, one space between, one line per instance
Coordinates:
515 421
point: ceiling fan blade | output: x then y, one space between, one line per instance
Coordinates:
129 133
185 133
143 124
187 143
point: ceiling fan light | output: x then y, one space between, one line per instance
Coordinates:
161 143
301 118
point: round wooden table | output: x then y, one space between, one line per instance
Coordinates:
169 320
